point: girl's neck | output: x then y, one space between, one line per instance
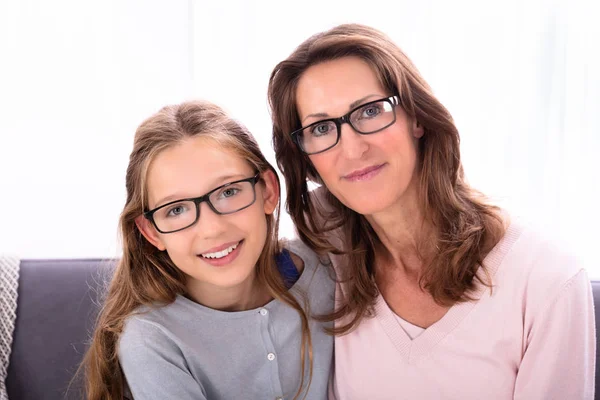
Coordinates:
247 295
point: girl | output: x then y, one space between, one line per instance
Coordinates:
205 302
441 295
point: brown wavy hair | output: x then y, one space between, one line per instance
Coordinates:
467 227
145 276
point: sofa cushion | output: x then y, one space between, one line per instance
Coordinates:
56 310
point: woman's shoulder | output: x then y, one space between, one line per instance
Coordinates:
538 260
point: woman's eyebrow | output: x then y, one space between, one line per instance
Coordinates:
352 105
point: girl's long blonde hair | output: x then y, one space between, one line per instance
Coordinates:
146 276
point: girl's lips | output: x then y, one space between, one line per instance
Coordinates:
364 174
219 262
220 247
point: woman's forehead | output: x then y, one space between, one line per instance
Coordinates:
333 87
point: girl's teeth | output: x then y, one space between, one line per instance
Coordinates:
220 254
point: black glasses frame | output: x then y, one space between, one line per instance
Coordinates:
149 215
345 119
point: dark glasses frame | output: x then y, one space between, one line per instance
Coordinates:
149 215
345 119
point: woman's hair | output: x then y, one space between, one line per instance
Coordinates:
147 276
466 226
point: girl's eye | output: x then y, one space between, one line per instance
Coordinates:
230 192
176 210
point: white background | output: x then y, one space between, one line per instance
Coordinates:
521 78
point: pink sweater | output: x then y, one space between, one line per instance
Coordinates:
532 338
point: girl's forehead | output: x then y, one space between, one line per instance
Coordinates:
196 154
192 168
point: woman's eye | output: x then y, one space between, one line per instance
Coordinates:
321 129
371 111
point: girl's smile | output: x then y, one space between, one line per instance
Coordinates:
222 255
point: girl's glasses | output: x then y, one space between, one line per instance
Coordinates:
226 199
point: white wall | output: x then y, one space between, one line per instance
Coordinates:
76 78
522 79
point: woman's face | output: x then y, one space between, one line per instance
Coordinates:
219 251
367 173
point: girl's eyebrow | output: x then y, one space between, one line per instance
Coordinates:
219 181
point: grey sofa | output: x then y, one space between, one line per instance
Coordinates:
56 309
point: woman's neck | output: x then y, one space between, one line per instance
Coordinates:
247 295
407 238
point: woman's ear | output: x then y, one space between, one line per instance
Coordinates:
151 235
417 129
270 192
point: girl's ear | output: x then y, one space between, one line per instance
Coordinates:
151 235
271 191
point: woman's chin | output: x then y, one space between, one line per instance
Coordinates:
378 200
369 205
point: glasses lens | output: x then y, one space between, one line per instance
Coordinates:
318 137
233 197
373 117
175 216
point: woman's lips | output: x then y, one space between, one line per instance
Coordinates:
364 174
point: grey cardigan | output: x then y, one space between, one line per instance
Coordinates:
187 351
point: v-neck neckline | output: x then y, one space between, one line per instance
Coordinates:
412 350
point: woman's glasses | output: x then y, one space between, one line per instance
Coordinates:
365 119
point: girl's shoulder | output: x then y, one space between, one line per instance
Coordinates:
149 321
315 270
166 322
303 256
143 336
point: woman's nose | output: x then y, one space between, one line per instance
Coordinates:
353 144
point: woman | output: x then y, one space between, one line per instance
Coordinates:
440 294
206 303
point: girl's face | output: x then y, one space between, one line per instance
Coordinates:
219 251
368 173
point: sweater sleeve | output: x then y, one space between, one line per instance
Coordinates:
560 352
154 366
